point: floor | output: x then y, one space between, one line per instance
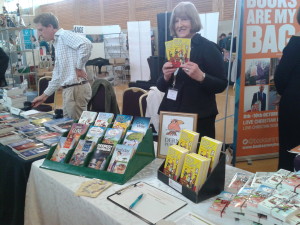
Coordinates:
264 165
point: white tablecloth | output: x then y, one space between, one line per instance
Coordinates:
50 199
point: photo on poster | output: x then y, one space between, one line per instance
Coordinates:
256 98
95 38
257 71
274 98
273 64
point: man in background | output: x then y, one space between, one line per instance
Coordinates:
72 51
4 59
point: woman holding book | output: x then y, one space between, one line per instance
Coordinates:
193 86
287 82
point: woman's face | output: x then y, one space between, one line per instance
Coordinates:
183 27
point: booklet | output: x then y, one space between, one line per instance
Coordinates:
147 202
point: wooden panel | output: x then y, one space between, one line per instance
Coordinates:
203 6
228 9
116 12
148 10
89 13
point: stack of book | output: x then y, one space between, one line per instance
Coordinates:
185 166
266 198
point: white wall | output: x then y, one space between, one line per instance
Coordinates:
139 40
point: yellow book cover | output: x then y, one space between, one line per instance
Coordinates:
189 140
194 171
169 50
182 49
174 161
210 148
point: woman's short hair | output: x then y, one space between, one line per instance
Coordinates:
298 16
185 9
46 19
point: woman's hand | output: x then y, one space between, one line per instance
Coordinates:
168 70
193 71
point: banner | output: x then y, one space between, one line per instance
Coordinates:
265 28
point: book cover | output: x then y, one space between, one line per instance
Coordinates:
24 147
292 182
188 140
122 122
104 119
260 178
221 202
87 117
47 136
27 128
18 122
33 153
181 48
120 158
133 138
238 181
169 51
295 150
92 188
60 153
36 132
53 122
237 204
275 180
95 133
82 149
268 204
6 128
174 161
77 130
257 196
194 171
284 210
140 124
62 127
210 148
24 141
52 141
112 136
100 156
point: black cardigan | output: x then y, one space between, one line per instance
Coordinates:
193 96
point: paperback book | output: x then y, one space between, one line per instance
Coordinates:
26 146
120 159
122 122
95 133
210 148
178 51
140 124
82 149
174 161
62 127
112 136
100 156
77 130
5 128
52 141
133 138
47 136
60 153
237 182
40 122
10 137
104 119
53 122
194 171
34 153
189 140
87 117
222 201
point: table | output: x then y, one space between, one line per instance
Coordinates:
50 199
14 173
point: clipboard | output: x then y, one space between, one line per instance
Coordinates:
154 206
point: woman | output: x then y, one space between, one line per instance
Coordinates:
287 82
198 80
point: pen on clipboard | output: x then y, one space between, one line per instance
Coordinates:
136 201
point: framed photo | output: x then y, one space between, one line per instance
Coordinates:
171 123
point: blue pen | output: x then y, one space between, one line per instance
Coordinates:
136 201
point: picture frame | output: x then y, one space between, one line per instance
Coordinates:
171 123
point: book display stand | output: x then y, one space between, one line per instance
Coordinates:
142 157
213 185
